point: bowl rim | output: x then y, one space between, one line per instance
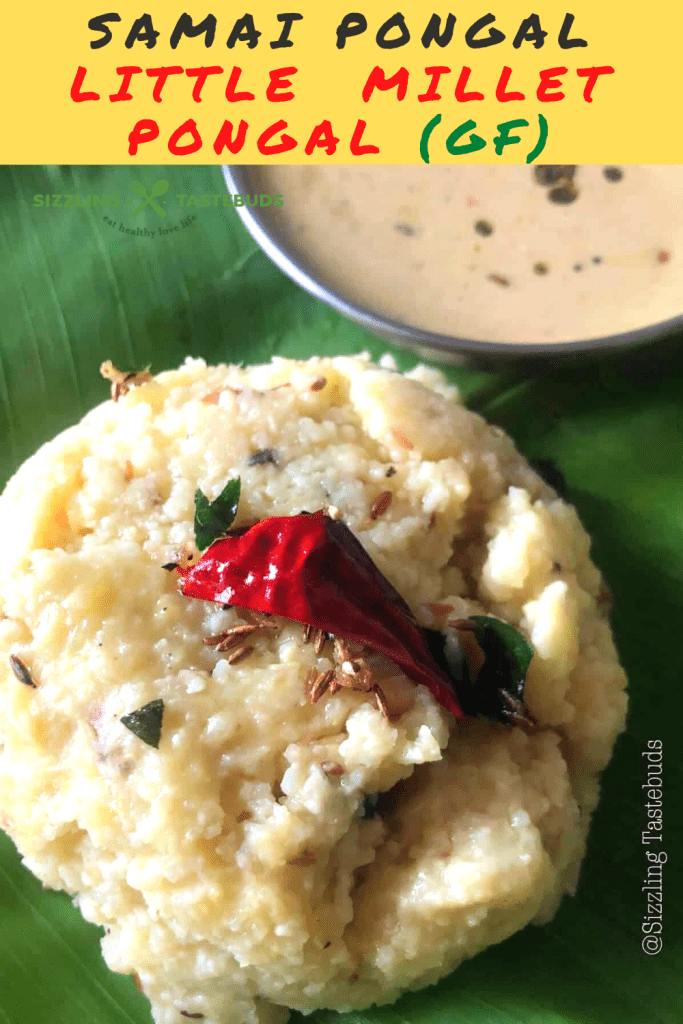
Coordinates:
290 262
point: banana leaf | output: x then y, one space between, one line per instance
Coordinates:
80 285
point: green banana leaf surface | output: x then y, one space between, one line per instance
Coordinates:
82 284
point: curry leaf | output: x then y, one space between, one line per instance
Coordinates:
213 519
496 691
146 722
508 654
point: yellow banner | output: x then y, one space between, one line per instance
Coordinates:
123 82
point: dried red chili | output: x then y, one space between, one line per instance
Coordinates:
312 569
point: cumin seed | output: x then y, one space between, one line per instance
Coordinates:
319 384
390 472
517 711
229 642
341 650
321 684
21 672
243 816
224 641
239 655
504 282
320 640
235 639
307 630
304 860
310 680
317 688
245 629
170 566
192 1016
381 504
214 641
381 700
402 440
357 676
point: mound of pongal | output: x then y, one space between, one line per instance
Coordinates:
264 809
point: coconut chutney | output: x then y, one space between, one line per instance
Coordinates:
491 253
234 866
